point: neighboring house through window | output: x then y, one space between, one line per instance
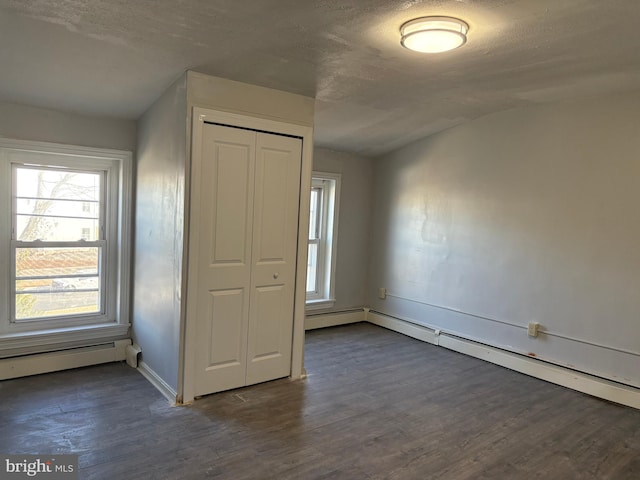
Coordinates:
86 234
323 223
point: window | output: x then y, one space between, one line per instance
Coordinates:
323 222
58 267
64 232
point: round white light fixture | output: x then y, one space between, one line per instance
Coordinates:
433 34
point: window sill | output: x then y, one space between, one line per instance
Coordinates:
27 343
320 304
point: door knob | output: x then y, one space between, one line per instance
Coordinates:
276 275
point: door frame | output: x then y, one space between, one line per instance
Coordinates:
200 116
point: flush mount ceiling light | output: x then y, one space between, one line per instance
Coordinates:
433 34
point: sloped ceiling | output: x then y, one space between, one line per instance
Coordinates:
115 57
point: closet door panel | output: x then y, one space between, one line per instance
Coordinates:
224 252
274 247
226 338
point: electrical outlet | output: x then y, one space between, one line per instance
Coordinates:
382 293
532 329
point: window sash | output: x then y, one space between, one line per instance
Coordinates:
93 316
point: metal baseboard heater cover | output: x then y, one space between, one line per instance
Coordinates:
36 364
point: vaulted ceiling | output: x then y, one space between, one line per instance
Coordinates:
115 57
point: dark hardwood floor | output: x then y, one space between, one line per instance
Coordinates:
376 405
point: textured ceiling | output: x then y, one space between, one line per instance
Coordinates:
115 57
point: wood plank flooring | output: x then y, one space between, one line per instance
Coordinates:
376 405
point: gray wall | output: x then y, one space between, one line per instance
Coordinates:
159 232
525 215
23 122
354 224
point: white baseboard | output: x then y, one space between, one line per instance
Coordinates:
62 360
581 382
333 319
155 380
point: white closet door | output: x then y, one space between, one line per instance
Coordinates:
224 257
248 224
275 233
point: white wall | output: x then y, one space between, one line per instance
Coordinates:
23 122
159 232
354 224
525 215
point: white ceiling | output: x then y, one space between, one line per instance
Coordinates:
115 57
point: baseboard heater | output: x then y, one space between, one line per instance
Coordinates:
38 363
580 381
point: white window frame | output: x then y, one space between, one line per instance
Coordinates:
329 185
35 335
